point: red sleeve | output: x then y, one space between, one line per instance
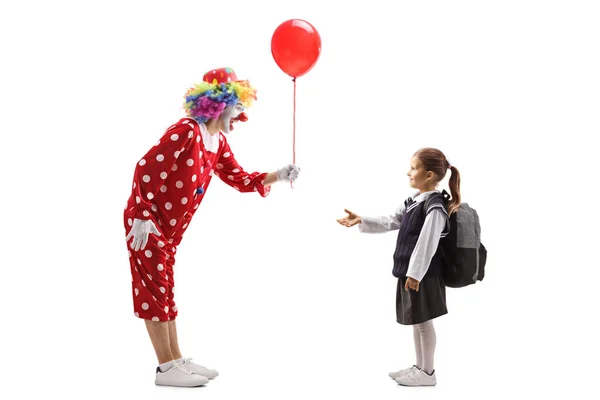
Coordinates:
230 172
152 170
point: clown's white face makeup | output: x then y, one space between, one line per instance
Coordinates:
228 118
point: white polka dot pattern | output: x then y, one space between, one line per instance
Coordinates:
166 184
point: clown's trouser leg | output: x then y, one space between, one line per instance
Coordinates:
153 294
425 341
152 280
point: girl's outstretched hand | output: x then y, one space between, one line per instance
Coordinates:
350 220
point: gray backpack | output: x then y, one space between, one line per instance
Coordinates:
464 256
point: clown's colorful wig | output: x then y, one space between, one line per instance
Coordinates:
208 100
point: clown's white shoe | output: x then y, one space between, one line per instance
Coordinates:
180 376
199 369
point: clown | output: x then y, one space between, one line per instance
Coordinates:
169 184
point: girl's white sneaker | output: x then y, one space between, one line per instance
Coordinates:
417 378
403 372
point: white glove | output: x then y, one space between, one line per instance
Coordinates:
288 173
140 231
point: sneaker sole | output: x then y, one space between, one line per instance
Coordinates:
415 385
429 385
181 385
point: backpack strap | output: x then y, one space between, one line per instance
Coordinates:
445 198
445 195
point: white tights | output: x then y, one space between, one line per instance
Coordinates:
425 339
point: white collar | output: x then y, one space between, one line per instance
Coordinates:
211 142
418 197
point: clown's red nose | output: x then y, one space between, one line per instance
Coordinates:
242 117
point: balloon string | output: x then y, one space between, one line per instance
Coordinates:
294 131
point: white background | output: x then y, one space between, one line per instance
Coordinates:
282 300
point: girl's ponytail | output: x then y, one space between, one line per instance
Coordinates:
454 184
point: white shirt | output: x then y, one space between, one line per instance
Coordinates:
429 237
211 142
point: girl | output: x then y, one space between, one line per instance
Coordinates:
421 293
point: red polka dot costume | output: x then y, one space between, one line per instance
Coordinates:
169 184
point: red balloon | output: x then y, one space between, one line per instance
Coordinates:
296 47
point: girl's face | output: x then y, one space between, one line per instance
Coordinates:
418 177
